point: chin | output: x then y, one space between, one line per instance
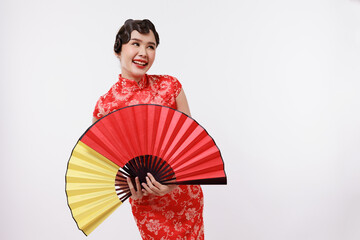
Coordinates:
140 72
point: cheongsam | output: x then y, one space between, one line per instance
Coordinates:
176 215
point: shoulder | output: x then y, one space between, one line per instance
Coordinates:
166 83
105 102
116 88
110 93
164 78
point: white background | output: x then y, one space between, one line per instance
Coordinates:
275 83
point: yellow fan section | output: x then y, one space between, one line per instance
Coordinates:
90 187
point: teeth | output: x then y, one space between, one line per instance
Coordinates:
140 63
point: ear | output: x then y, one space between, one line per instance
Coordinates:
117 54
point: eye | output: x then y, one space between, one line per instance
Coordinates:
135 44
151 47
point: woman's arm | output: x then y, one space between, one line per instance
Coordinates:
182 103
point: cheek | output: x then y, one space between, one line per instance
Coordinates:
152 56
127 53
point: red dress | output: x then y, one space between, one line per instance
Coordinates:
179 214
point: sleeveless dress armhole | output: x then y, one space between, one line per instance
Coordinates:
177 87
96 110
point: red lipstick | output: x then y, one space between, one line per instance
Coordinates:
140 61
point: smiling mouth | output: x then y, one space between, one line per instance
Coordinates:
140 63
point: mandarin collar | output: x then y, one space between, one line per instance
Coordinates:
141 84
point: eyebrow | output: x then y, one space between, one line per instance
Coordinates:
136 39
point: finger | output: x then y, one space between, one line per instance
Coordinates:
154 182
131 186
147 188
139 193
144 192
138 187
152 187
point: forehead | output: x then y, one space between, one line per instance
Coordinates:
145 37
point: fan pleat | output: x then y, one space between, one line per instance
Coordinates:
104 143
159 136
118 137
172 130
124 122
131 130
74 189
90 219
140 126
83 151
183 137
83 166
205 167
114 136
203 158
93 206
189 146
214 172
79 200
153 115
90 187
167 130
103 139
81 176
192 153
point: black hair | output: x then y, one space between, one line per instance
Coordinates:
124 34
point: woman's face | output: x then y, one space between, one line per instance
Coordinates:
137 56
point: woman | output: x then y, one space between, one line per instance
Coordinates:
160 211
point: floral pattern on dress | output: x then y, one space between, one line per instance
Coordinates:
180 213
151 89
177 215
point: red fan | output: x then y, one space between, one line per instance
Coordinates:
160 140
131 142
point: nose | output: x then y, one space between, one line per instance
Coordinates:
142 52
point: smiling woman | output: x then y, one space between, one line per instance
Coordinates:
160 211
137 56
137 50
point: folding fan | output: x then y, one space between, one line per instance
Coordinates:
131 142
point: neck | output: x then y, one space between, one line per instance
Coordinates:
135 78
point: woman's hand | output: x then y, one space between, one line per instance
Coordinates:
137 193
154 187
